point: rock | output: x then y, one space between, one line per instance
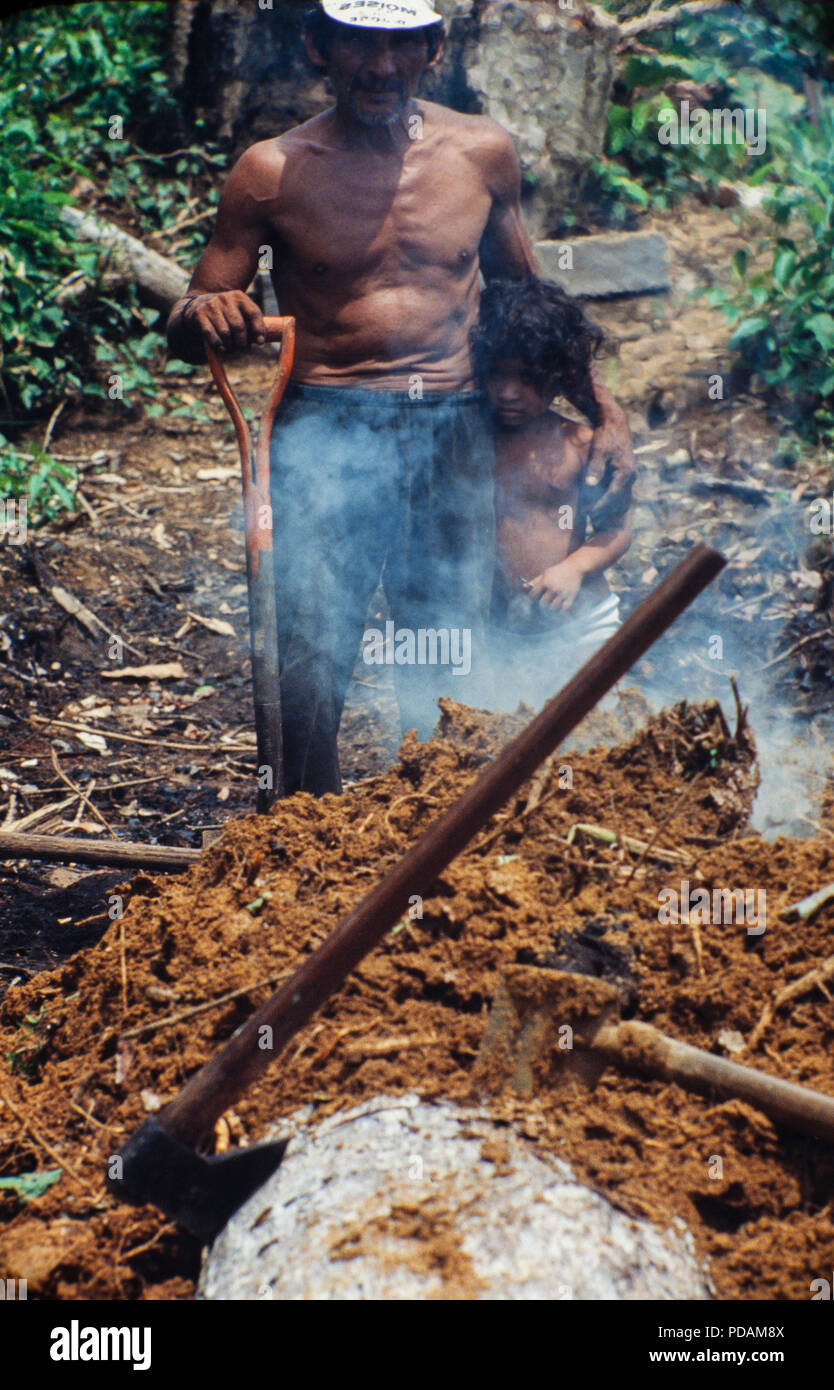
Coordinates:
546 77
612 263
402 1199
543 72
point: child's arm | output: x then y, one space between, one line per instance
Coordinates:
557 586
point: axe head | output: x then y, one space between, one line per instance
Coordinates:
198 1192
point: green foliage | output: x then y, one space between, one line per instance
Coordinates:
30 1185
782 313
755 55
34 475
65 74
728 60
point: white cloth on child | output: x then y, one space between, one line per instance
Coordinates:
532 666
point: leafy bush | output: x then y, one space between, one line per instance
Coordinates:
741 58
64 75
784 325
755 54
32 474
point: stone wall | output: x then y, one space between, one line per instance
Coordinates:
544 72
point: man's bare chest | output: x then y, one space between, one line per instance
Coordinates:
340 217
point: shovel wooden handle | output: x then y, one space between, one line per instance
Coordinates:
639 1047
257 521
255 462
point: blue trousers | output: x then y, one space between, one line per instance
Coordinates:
369 484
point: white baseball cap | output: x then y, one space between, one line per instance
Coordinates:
382 14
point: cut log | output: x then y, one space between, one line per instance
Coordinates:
65 849
521 1224
160 279
660 19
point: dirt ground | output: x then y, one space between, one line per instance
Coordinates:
168 760
90 1048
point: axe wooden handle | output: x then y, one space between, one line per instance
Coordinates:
258 1041
639 1047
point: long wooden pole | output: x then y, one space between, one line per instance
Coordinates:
260 573
258 1041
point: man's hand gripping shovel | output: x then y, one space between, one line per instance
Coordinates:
257 519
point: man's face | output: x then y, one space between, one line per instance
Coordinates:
376 72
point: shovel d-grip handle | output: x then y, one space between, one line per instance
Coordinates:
260 575
257 512
253 1046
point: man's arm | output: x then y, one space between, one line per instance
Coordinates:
611 465
215 308
505 252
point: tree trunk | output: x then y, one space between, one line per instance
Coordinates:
544 72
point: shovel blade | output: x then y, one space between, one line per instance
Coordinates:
538 1023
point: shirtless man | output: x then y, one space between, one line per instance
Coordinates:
379 213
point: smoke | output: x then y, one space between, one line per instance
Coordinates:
357 501
712 644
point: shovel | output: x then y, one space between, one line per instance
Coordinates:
548 1027
257 521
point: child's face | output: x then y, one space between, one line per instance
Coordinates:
515 398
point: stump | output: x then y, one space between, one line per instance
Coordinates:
403 1199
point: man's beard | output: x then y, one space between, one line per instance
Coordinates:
382 119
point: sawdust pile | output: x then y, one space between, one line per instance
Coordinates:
87 1049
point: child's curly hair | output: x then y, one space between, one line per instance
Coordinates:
537 323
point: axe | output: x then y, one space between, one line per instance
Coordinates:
160 1162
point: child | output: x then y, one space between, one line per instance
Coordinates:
551 604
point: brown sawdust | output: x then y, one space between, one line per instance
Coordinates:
413 1016
419 1236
